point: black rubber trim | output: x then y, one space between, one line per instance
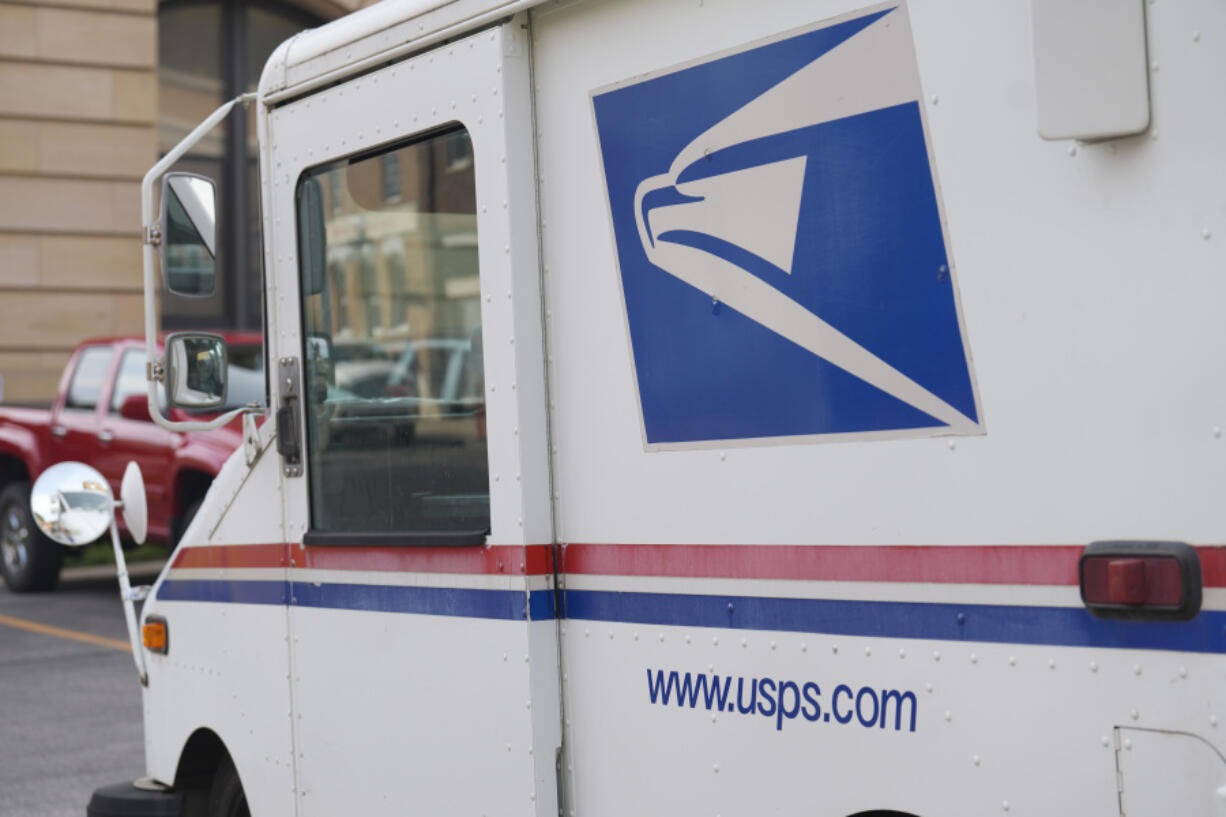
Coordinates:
447 538
1189 567
125 800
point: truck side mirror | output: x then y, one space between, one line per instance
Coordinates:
196 368
189 234
72 503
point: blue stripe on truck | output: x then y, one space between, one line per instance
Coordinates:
512 605
1056 626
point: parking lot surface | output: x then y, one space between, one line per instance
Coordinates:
70 706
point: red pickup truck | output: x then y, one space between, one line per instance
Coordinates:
101 417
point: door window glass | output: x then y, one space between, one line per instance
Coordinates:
394 376
88 378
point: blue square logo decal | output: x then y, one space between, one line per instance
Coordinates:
780 241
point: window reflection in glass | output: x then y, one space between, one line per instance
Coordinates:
394 375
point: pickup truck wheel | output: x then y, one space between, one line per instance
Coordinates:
226 796
29 561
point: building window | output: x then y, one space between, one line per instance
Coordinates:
339 316
398 287
209 52
391 177
334 186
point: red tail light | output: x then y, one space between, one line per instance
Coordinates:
1141 580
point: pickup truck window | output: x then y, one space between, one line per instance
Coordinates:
394 375
88 378
130 379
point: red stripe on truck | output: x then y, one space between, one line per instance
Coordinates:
948 564
531 560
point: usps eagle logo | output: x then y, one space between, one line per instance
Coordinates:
779 235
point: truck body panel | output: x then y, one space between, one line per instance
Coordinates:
461 616
20 435
929 571
240 658
809 373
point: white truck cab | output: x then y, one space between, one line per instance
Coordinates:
715 408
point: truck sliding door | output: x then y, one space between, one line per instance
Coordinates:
421 608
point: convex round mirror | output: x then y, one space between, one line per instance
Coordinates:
72 503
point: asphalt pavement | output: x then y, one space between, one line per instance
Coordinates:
70 705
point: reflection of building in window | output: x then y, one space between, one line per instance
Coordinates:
391 176
372 293
340 296
190 267
334 188
395 423
397 285
402 243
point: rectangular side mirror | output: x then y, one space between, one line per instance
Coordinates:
189 234
196 368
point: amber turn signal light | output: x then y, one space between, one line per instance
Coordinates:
155 635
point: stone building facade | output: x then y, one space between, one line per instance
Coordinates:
91 93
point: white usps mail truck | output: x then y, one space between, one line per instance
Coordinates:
711 408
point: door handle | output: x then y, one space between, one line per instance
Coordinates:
288 430
59 431
105 437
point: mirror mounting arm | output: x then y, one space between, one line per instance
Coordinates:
194 425
147 257
129 609
73 505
